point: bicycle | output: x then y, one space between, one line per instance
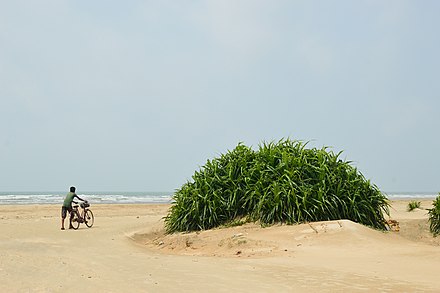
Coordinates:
81 216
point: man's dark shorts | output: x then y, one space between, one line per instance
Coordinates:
64 211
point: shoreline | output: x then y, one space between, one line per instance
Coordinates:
396 198
43 198
92 204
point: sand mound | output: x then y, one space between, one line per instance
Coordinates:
251 240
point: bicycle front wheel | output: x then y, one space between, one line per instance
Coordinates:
74 220
88 218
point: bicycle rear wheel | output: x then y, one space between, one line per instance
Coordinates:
74 220
88 218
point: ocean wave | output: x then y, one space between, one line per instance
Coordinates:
9 198
412 195
107 198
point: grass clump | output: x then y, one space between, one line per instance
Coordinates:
282 182
434 217
413 205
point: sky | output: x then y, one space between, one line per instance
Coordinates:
138 95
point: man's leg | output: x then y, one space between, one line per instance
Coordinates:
70 219
63 217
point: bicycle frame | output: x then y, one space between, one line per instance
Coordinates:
81 214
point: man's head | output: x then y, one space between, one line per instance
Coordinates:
72 189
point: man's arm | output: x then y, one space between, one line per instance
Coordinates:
78 198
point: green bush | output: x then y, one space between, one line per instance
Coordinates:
434 217
282 182
413 205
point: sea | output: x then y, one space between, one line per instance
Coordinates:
27 198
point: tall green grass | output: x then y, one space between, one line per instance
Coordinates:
434 217
282 182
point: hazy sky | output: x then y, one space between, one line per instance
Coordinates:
137 95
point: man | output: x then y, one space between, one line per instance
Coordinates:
67 205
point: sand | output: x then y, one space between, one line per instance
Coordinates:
127 251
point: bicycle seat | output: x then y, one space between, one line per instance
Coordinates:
75 206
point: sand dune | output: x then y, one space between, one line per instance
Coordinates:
127 251
251 240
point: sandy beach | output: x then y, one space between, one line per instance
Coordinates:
127 251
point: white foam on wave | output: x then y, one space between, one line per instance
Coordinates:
141 197
412 195
109 198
